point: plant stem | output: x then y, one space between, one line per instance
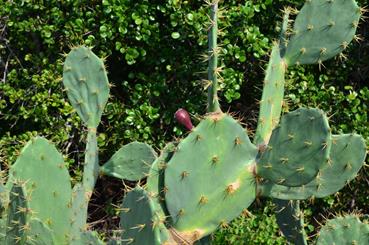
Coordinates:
91 166
213 102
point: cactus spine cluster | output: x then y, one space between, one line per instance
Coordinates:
212 175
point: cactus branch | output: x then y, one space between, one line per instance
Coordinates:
213 102
91 166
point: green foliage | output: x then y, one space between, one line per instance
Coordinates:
31 98
260 228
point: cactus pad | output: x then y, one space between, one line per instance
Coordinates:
39 234
155 181
17 216
347 230
272 99
131 162
298 147
86 83
291 221
209 179
347 156
322 29
47 180
139 221
79 216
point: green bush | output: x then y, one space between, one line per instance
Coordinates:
260 228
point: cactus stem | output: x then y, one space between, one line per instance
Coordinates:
213 102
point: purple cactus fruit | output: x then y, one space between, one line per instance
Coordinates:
183 118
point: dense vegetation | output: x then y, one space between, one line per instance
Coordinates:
153 51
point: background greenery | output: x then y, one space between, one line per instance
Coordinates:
153 51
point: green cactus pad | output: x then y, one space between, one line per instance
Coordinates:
298 148
209 179
348 230
79 216
139 220
291 221
347 156
155 181
47 180
131 162
39 234
322 29
86 83
272 98
17 216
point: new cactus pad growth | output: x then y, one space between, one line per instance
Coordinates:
131 162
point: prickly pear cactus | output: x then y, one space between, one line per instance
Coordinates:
131 162
217 151
347 230
17 215
140 222
39 234
298 147
86 83
290 220
47 183
322 29
347 156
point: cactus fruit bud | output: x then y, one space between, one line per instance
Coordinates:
183 118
